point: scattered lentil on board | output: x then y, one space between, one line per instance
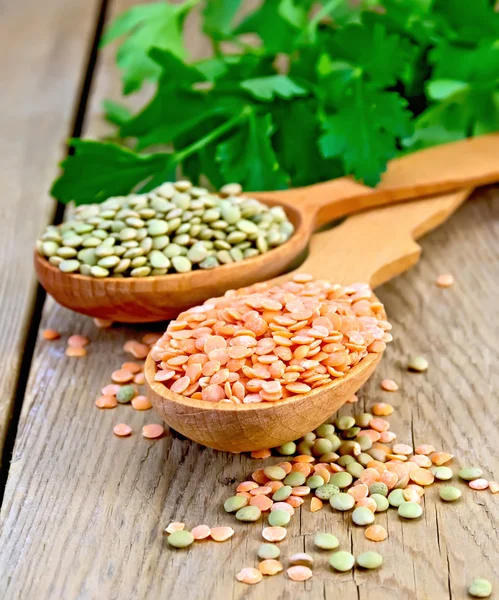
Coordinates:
370 560
122 430
249 575
153 431
50 334
268 551
299 573
270 567
418 364
389 385
172 228
445 280
180 538
342 561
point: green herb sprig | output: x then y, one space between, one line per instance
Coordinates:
359 86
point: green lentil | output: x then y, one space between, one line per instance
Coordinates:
321 446
235 503
363 516
315 481
382 503
480 588
417 363
410 510
335 440
355 469
449 493
396 497
442 473
342 501
295 479
351 433
287 449
180 539
326 541
279 518
324 492
329 457
345 460
350 447
126 394
282 493
364 442
343 423
240 227
363 419
323 430
364 459
342 561
248 514
369 560
470 473
341 479
378 487
268 551
275 473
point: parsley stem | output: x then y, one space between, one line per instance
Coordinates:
213 135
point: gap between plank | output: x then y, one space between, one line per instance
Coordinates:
36 309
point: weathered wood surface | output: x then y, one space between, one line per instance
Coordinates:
83 512
43 56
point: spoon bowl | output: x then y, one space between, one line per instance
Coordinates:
128 300
246 427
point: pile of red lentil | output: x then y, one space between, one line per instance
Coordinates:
267 343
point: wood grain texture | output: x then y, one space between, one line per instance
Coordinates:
43 54
84 511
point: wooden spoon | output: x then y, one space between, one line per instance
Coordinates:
373 247
448 167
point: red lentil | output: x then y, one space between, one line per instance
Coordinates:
175 526
201 532
478 484
444 281
152 431
274 534
221 534
376 533
299 573
141 403
249 575
51 334
75 351
389 385
78 341
106 402
276 341
122 430
270 566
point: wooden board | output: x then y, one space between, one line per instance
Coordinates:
84 511
44 50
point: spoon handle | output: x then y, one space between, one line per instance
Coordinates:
438 170
377 245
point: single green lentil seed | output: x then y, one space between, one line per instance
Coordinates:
181 264
324 429
235 503
364 442
275 473
342 479
326 491
295 479
126 394
378 487
480 588
410 510
396 497
470 473
363 419
342 501
282 493
69 266
268 551
326 541
382 503
442 473
248 514
355 469
342 561
449 493
345 460
321 446
369 560
180 539
287 449
345 422
417 363
363 516
279 518
315 481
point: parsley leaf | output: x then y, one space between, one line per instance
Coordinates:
116 113
98 170
364 131
218 17
267 88
248 156
146 26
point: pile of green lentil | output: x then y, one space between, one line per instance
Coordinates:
175 228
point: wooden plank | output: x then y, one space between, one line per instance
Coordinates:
84 511
43 55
